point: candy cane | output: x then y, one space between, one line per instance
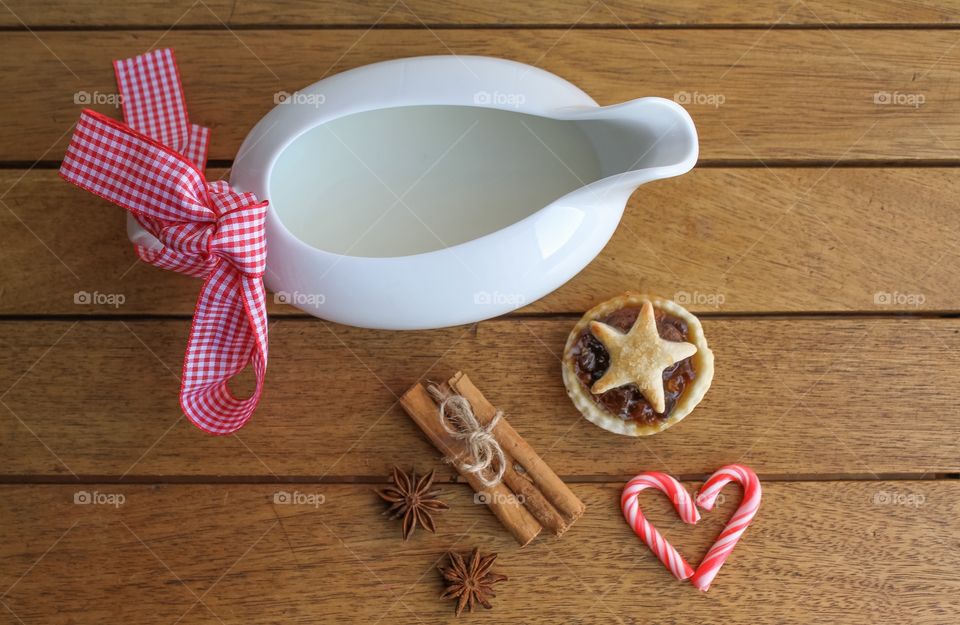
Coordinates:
683 503
735 527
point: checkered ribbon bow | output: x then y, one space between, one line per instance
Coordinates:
153 166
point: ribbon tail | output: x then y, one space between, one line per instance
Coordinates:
134 172
154 104
198 143
229 332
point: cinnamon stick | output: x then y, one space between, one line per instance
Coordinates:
501 501
514 475
530 496
526 463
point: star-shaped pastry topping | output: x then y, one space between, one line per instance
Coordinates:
639 357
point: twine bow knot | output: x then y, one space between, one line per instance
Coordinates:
458 419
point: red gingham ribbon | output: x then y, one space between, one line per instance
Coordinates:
152 166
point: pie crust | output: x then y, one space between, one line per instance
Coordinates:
691 395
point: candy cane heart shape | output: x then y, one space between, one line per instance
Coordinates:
735 527
684 506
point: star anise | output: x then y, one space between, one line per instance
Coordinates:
470 583
413 500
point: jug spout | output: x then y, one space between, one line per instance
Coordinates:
639 141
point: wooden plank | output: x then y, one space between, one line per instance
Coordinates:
728 240
750 99
185 13
209 554
823 396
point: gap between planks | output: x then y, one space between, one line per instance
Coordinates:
40 28
374 480
880 163
811 315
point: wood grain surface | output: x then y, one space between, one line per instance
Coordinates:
817 241
755 96
181 14
212 554
790 396
717 240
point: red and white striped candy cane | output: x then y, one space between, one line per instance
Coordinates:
683 503
728 538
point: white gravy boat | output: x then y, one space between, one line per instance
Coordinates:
441 190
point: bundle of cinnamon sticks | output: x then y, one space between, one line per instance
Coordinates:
530 496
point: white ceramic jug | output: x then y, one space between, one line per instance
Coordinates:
435 191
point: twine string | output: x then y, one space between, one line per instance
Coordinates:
458 419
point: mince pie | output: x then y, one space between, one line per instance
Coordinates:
636 365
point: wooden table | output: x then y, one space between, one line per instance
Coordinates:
817 239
